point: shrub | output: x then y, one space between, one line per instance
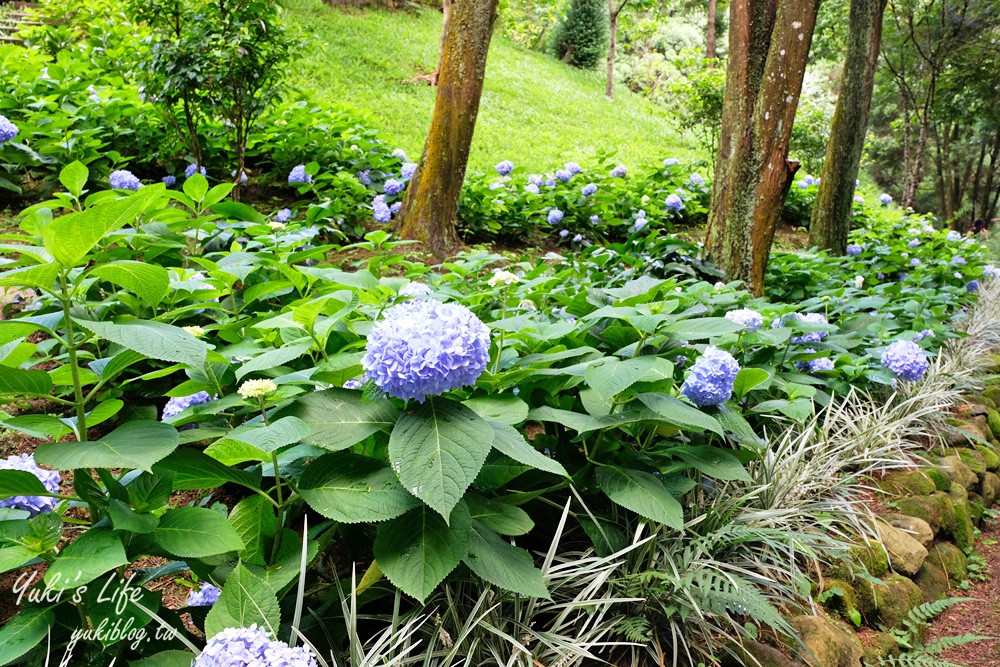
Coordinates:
581 39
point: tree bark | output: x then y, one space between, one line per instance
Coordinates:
768 47
430 207
613 43
710 52
831 215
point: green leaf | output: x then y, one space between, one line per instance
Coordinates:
713 461
74 177
509 441
256 524
69 238
701 327
86 558
737 426
195 186
20 382
155 340
165 659
747 379
41 277
641 492
437 450
245 600
679 413
502 564
124 518
341 418
351 489
418 550
582 423
611 376
20 483
15 556
192 469
11 330
196 532
236 211
257 441
147 281
499 516
505 408
137 444
23 632
278 357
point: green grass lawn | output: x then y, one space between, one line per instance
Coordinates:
535 110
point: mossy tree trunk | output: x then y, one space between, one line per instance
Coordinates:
612 45
768 47
831 215
710 52
430 206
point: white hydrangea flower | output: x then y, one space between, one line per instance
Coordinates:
503 277
195 331
257 388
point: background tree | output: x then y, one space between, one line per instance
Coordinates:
768 49
831 214
430 206
615 8
582 37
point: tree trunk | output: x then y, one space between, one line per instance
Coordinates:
768 47
710 51
915 170
430 206
831 214
613 25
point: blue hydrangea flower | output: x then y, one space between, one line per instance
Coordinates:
906 359
179 404
7 130
573 168
496 185
415 288
243 177
680 361
531 187
380 210
364 177
588 189
809 179
555 216
821 364
170 180
298 175
353 384
396 205
563 233
913 243
394 187
400 154
424 348
34 505
958 260
674 202
920 335
578 238
123 179
858 199
619 171
749 319
670 162
639 224
535 179
594 219
711 379
564 174
252 647
504 167
802 185
550 183
885 198
854 250
991 271
283 215
953 236
408 170
696 179
205 596
972 286
190 170
915 262
812 318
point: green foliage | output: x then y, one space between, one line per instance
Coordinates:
581 38
918 654
697 98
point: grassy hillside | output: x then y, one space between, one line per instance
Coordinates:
535 110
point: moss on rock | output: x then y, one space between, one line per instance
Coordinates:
829 644
958 471
990 457
878 645
889 602
936 509
993 420
990 488
951 559
908 483
942 481
932 579
964 532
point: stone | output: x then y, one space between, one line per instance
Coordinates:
951 559
878 645
888 603
990 488
940 478
985 401
907 483
936 509
973 408
993 421
828 643
756 653
841 598
916 528
977 506
993 393
932 580
964 532
990 457
973 459
906 554
958 471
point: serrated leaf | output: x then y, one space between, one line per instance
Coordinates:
20 483
245 600
351 489
147 281
41 277
74 177
152 339
508 441
641 492
86 558
678 413
273 358
713 461
255 522
700 328
507 409
196 532
23 632
747 379
611 376
191 469
502 564
137 444
499 516
341 418
21 382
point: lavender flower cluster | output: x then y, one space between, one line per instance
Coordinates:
179 404
906 359
252 647
7 130
123 179
712 378
750 320
34 505
205 596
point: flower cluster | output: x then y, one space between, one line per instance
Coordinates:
380 210
564 175
169 180
885 198
205 596
953 236
555 215
179 404
749 319
257 388
674 202
503 277
7 130
712 378
906 359
814 365
854 250
283 215
191 169
423 348
408 170
588 189
32 504
619 171
393 187
252 647
505 167
811 318
123 179
415 288
298 175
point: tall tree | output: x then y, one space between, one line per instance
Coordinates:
710 51
831 215
768 48
430 206
613 13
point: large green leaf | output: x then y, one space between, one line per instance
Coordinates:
152 339
74 177
702 327
418 550
69 238
147 281
246 600
23 632
271 437
137 444
15 556
341 418
86 558
679 413
192 469
641 492
583 423
509 441
747 379
611 376
196 532
273 358
351 489
499 516
20 483
503 408
713 462
255 522
41 277
19 382
438 449
504 565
